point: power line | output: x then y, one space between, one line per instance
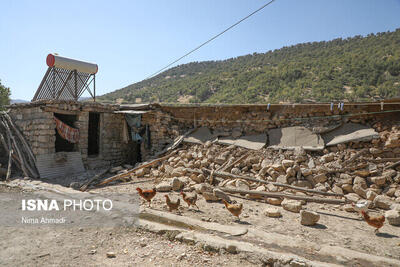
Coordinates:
216 36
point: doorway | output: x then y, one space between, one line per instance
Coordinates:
61 144
94 134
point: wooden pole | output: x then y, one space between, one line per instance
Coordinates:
228 175
281 195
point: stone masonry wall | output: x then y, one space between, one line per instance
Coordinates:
37 125
112 147
168 122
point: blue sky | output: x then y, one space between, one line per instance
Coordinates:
130 40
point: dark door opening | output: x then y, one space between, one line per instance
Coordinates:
61 144
94 134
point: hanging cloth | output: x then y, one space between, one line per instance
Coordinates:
66 132
134 121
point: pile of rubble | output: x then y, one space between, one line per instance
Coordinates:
359 171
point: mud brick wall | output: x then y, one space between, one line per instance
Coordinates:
168 122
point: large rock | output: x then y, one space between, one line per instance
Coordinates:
291 205
208 196
198 178
347 188
337 189
393 217
379 180
352 197
328 158
286 163
371 195
272 212
290 172
320 178
346 178
357 188
177 184
274 201
164 187
309 217
282 179
221 194
200 188
382 202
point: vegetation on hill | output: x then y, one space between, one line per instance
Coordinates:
354 69
4 96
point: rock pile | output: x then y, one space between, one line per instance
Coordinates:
359 170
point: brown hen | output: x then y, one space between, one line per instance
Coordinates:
147 194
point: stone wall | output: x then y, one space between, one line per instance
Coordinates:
35 120
168 122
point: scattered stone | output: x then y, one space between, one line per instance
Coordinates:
291 205
309 217
221 194
328 158
286 163
320 178
273 212
274 201
382 202
231 249
393 217
111 255
164 187
360 191
208 196
380 180
177 184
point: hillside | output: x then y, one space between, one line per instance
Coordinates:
354 69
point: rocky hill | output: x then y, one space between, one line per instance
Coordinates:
353 69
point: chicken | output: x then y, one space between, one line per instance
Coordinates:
190 199
376 221
172 205
235 209
147 194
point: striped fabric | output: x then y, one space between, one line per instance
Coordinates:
68 133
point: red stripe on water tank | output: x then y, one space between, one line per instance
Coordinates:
50 60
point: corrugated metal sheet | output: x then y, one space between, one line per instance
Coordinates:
59 164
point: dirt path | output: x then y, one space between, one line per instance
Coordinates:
74 246
43 246
336 227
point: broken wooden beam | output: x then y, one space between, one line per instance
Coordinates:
233 176
97 176
281 195
131 171
394 165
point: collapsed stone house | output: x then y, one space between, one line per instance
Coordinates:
106 138
108 135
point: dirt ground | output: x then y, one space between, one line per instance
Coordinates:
336 226
72 246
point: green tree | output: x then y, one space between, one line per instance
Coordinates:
4 96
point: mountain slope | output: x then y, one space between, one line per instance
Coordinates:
354 69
